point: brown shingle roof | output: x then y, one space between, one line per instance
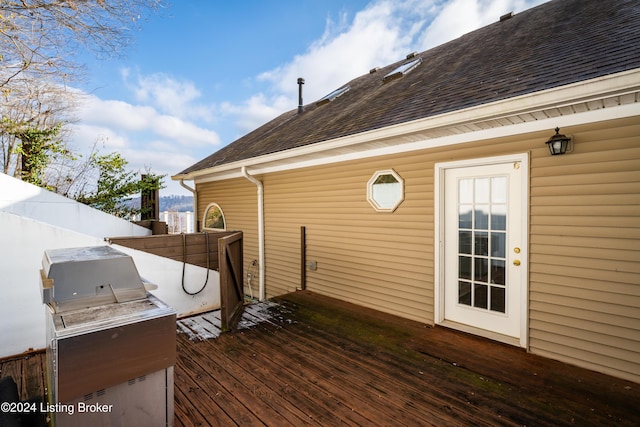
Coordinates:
554 44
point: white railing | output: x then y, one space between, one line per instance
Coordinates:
178 222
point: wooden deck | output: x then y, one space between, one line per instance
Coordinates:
209 325
318 361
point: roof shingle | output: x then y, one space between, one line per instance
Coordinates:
554 44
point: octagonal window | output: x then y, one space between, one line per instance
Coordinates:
385 190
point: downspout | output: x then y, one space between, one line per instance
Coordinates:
195 204
262 269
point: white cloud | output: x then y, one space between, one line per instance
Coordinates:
183 132
159 161
457 17
256 110
122 118
85 135
179 98
112 112
145 137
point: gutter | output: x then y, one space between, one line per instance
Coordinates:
261 257
195 204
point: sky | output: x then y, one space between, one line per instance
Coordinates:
201 74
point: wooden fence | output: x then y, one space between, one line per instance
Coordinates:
220 251
193 248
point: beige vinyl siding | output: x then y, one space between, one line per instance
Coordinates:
238 200
379 260
584 242
585 252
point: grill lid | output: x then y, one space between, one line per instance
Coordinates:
82 277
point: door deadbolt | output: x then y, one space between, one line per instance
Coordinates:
516 250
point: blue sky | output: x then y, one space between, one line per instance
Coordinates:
202 73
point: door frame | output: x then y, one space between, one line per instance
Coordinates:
439 234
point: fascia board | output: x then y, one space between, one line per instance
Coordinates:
503 131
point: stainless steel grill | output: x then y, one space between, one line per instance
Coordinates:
110 343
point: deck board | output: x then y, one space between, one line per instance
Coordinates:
325 362
209 325
315 361
344 373
331 379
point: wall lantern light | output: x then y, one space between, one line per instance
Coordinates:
558 143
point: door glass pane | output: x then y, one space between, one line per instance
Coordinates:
481 270
464 267
499 189
481 213
464 242
498 217
480 294
482 190
498 299
482 242
465 219
465 191
498 244
464 293
497 272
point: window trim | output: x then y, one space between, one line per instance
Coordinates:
204 217
370 184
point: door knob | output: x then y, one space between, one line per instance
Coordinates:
516 262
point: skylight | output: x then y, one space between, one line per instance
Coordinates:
403 69
333 95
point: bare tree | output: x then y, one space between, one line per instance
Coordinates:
39 41
32 104
74 175
43 36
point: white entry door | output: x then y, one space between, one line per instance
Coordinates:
484 248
